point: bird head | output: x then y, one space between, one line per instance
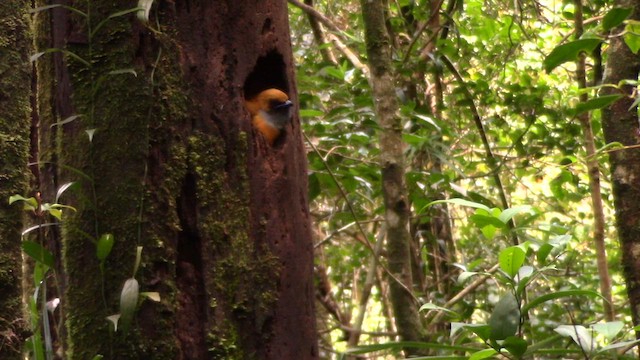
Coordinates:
274 105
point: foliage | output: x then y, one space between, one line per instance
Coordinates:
516 76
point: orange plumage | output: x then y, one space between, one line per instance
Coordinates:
270 112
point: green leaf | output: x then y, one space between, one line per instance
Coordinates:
568 52
556 244
430 306
38 253
579 334
461 202
31 203
98 357
414 140
484 220
599 102
509 213
615 17
483 354
128 302
511 259
609 329
557 295
515 345
482 330
104 246
39 272
489 231
505 318
632 36
309 113
56 213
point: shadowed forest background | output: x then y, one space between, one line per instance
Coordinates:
460 180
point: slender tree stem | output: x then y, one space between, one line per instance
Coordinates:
593 170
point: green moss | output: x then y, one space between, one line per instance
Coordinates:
15 83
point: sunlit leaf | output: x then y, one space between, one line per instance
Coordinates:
599 102
509 213
461 202
608 329
511 259
615 17
632 36
430 306
483 354
568 52
621 344
579 334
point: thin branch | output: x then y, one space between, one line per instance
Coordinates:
470 288
485 142
319 36
593 170
334 37
366 288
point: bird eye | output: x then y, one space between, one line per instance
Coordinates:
274 104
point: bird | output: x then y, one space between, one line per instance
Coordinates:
270 111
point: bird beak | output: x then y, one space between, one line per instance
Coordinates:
285 104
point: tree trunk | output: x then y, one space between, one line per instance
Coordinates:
167 159
397 211
15 88
620 124
593 168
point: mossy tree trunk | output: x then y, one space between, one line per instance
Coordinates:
397 208
165 158
620 124
15 89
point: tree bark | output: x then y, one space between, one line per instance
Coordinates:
620 124
397 209
593 168
172 164
15 89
